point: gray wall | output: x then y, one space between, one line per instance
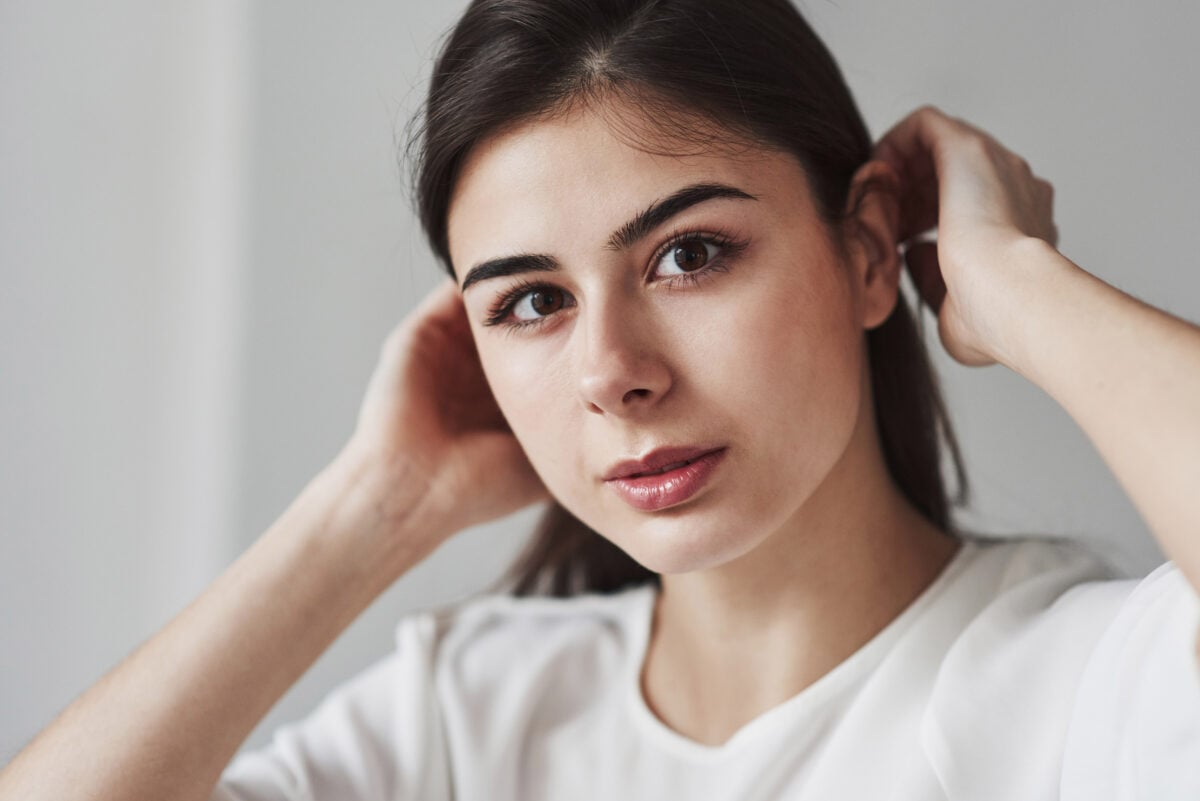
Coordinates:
204 237
121 134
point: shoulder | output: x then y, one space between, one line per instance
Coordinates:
1136 722
501 669
999 589
491 621
463 683
489 640
1039 640
1024 599
1018 585
1058 561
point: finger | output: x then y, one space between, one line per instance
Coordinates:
913 147
914 139
1048 210
926 273
444 302
919 206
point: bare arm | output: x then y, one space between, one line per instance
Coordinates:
426 460
165 722
1129 375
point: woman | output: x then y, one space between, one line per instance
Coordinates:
675 312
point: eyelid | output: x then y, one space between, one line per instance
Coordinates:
728 244
504 304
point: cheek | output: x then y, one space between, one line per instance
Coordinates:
531 387
791 365
787 325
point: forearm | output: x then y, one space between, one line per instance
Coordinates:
1129 375
164 723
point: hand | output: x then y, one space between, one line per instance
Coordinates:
985 201
429 416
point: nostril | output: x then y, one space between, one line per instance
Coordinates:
641 393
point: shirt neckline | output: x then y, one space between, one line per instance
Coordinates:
811 697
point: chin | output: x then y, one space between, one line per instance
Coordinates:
683 546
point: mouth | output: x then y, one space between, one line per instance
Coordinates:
661 470
659 461
654 484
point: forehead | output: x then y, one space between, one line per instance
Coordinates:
571 179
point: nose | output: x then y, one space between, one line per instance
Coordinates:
622 368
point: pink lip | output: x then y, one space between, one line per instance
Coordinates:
660 490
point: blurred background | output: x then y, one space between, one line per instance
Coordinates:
205 236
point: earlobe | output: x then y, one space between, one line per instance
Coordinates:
872 228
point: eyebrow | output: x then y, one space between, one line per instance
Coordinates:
624 237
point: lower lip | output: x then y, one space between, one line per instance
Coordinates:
651 493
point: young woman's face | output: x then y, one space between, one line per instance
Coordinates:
619 322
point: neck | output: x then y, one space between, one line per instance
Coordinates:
753 632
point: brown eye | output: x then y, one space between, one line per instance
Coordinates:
690 255
687 257
538 302
545 301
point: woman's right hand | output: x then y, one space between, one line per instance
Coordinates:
429 417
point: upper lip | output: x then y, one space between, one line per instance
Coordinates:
656 460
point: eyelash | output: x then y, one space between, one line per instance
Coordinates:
728 245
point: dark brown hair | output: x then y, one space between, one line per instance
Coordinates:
755 69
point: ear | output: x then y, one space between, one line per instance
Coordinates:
870 233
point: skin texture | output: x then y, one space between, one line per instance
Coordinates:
764 356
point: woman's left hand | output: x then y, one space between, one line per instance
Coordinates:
985 202
1126 372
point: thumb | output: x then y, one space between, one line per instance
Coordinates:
926 273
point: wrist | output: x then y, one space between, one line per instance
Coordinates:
1033 273
383 513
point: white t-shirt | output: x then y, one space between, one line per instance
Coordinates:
1023 672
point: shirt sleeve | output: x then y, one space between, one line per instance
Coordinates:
1135 729
378 737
